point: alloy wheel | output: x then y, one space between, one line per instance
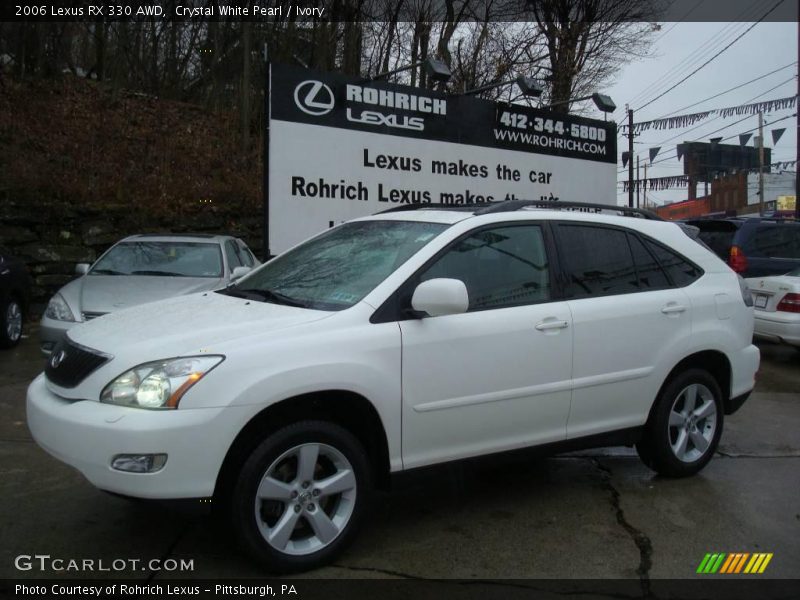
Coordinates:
692 422
13 321
305 499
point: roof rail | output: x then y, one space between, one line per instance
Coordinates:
512 205
487 208
431 206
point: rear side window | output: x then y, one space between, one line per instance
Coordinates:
679 270
245 255
776 241
650 275
597 261
719 241
233 254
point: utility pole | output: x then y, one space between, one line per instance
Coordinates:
797 141
638 181
645 185
630 157
761 164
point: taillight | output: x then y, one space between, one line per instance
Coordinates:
789 303
747 295
737 260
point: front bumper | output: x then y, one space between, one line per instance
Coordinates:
87 434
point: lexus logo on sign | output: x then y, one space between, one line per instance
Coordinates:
313 98
57 358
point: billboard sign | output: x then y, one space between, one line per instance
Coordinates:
341 147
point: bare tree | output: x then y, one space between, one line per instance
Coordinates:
587 41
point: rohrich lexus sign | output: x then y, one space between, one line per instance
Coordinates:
342 147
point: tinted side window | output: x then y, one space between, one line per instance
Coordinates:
505 266
597 260
777 241
650 276
719 241
680 271
232 254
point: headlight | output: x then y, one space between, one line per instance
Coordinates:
58 309
158 384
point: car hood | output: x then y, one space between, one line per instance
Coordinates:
107 293
194 323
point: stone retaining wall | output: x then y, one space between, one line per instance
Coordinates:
52 237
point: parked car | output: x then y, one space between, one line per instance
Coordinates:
777 307
397 341
15 286
144 268
753 247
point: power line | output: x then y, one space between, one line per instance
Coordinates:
715 118
691 10
704 123
791 64
682 121
666 158
702 51
664 93
728 32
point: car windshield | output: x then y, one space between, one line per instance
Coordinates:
161 259
335 270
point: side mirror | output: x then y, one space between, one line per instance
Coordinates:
81 268
438 297
239 272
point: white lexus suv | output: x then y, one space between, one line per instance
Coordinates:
396 341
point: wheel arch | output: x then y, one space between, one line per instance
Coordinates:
712 361
348 409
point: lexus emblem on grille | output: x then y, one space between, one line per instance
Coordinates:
57 358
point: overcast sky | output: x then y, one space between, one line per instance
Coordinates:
682 47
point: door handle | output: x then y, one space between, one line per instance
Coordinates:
673 308
549 324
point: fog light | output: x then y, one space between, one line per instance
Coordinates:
139 463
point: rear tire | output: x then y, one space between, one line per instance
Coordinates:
685 426
301 496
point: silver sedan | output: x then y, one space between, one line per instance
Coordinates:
144 268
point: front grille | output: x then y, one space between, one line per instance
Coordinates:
88 316
70 363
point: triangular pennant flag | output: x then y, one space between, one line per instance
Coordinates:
714 141
776 135
744 138
654 153
625 158
680 149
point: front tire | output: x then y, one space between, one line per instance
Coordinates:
10 323
301 496
685 427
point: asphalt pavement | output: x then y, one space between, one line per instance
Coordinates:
593 514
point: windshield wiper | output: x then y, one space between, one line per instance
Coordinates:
106 272
267 296
159 273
